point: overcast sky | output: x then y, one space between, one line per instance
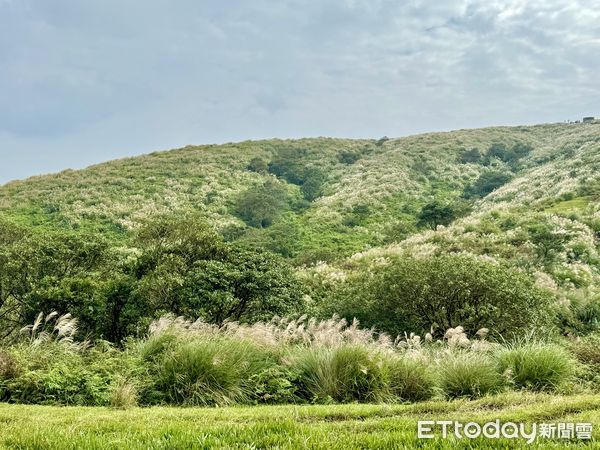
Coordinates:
87 81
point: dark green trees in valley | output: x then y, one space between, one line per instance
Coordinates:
438 213
177 265
260 206
188 270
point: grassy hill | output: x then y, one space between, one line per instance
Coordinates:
449 236
326 199
386 180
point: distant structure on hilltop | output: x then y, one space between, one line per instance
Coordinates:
588 119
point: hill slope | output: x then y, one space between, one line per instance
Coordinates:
346 195
326 199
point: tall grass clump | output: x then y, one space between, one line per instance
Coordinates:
469 374
281 361
123 394
410 378
536 365
345 373
200 364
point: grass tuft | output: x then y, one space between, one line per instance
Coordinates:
536 366
471 375
410 379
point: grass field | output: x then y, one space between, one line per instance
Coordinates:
323 427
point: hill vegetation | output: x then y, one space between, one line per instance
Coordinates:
493 229
321 199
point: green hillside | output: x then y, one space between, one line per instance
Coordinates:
437 266
524 197
338 197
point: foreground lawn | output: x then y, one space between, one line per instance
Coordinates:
322 427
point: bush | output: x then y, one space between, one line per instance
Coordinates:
486 183
124 394
274 385
258 165
187 270
472 156
9 366
536 366
508 155
437 213
60 377
587 349
260 206
410 379
342 374
469 375
208 371
415 294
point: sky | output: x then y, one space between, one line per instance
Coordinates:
87 81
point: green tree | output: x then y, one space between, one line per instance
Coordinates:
246 286
486 183
51 271
190 271
508 155
472 156
289 164
258 165
312 186
548 242
260 206
437 213
415 294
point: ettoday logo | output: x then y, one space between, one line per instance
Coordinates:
429 429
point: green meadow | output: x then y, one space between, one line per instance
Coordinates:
314 427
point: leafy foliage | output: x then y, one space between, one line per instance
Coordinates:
486 183
261 206
442 292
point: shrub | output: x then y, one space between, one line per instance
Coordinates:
68 380
415 294
469 375
260 206
587 349
274 385
536 366
9 366
437 213
472 156
587 352
258 165
207 371
312 186
290 164
508 155
342 374
187 270
349 156
486 183
124 394
410 379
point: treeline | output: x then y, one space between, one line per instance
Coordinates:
182 266
172 265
